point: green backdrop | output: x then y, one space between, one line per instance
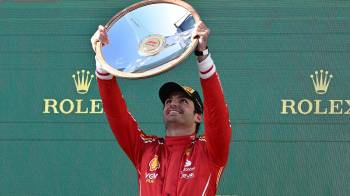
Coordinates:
265 52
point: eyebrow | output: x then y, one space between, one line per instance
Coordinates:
179 96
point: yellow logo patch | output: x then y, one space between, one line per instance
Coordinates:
154 163
189 89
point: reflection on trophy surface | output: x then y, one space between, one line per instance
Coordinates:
155 49
155 36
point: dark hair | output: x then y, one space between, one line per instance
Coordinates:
197 127
198 111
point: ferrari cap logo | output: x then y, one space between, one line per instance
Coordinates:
188 89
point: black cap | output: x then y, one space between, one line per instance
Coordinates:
170 87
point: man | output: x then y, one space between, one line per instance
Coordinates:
180 163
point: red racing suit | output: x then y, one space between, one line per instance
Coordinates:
177 165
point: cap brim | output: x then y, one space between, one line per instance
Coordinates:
168 88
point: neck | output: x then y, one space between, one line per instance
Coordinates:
179 131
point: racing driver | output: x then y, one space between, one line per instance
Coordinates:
181 162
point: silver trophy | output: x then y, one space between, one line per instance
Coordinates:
148 38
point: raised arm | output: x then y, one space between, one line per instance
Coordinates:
217 128
123 125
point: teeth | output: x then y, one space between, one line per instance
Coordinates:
173 112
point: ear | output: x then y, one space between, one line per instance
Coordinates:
197 118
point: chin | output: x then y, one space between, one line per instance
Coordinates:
171 120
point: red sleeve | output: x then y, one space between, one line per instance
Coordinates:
217 128
123 125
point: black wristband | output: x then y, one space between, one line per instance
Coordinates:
202 53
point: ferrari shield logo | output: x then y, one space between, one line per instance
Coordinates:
154 164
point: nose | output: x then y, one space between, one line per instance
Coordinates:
173 104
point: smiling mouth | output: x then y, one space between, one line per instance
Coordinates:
173 112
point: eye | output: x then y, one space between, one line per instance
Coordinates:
167 101
183 100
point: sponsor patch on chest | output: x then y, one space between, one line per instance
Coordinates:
152 174
187 175
150 177
188 170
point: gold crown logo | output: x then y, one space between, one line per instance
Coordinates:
321 81
82 81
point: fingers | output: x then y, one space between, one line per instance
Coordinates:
201 27
99 36
201 31
103 37
101 28
203 34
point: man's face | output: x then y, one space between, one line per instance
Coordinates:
179 110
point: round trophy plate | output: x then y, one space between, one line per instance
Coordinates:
148 38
